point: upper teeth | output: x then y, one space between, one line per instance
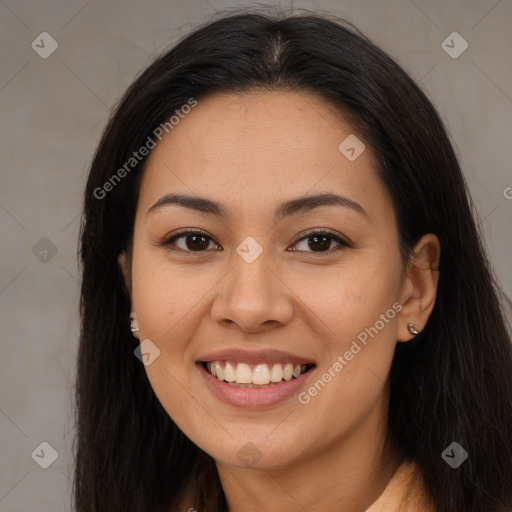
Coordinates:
241 373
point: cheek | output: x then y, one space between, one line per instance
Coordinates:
358 312
352 298
358 349
166 295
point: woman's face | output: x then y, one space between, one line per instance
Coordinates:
257 293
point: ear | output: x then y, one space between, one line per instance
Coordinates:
123 264
419 288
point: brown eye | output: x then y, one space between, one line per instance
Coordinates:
190 241
320 241
196 242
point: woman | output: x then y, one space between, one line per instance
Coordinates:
276 225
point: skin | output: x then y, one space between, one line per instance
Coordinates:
251 152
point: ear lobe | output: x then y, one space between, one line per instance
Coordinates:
123 265
420 286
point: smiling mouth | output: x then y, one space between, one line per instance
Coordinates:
261 375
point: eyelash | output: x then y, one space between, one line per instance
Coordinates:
168 242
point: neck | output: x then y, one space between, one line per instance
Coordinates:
347 475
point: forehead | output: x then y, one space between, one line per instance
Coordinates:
259 145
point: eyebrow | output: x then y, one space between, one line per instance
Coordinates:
291 207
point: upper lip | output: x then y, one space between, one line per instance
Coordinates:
254 357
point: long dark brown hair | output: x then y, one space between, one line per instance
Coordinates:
452 384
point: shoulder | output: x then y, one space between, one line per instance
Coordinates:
405 492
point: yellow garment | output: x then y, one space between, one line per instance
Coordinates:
405 492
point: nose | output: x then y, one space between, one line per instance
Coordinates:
253 297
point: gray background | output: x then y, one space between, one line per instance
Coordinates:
53 111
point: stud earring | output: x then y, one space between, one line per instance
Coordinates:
412 330
134 326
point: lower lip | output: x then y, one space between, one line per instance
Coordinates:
252 397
